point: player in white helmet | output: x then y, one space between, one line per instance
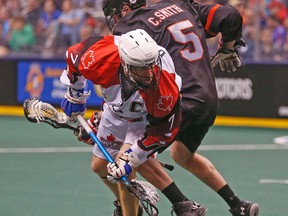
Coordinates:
141 112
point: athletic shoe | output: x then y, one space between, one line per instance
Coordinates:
189 208
245 208
118 210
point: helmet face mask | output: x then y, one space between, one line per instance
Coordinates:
143 77
112 19
113 9
140 58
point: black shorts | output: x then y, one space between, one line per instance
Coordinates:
195 125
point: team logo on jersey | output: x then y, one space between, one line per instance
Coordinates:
110 141
88 59
165 103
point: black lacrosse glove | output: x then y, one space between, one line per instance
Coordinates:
93 123
228 59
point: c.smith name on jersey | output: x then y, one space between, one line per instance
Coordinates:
163 13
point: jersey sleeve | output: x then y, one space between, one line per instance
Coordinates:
71 77
164 114
160 133
225 19
95 59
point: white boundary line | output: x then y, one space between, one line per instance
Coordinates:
46 150
273 181
282 140
242 147
201 148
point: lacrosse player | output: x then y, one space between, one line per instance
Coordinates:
182 26
141 106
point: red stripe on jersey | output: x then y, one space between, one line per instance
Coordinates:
100 63
159 102
210 16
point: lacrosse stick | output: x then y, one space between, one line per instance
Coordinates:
133 187
167 166
37 111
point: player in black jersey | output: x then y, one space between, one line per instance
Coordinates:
182 27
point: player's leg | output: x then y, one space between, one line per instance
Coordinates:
128 202
200 166
161 180
111 132
153 172
183 153
99 166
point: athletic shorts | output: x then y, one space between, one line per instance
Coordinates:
114 131
195 123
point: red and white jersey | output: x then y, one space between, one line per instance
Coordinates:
97 59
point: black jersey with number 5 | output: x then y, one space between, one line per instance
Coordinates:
182 34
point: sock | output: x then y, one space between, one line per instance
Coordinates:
228 195
173 193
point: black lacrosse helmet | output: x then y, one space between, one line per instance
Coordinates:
113 8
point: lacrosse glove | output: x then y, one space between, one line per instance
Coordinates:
93 123
123 167
228 59
74 103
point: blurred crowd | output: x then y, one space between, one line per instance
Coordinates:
33 28
45 28
265 29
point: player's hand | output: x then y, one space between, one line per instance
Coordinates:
93 123
227 57
74 103
123 167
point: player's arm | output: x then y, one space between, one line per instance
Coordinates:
158 136
74 102
224 19
160 133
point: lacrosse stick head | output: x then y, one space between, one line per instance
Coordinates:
147 195
37 111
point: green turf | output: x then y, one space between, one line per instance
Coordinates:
62 184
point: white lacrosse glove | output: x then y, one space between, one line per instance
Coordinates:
123 167
227 58
74 103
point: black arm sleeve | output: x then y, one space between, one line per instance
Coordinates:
225 19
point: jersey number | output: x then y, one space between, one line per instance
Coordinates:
176 31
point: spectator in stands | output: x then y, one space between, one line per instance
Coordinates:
278 31
248 33
277 9
47 23
3 48
31 12
268 52
49 14
85 32
5 22
22 34
285 46
14 7
69 23
101 27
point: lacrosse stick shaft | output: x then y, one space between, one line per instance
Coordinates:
167 166
97 141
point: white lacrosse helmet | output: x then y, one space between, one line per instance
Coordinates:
137 48
138 51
